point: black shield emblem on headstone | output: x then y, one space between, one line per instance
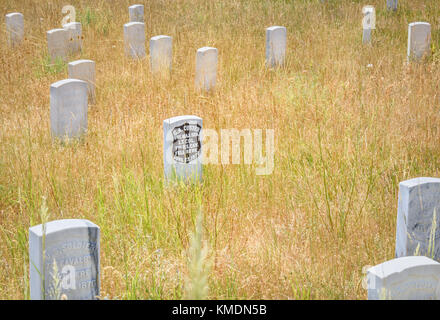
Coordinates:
186 142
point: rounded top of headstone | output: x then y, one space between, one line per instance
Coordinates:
134 23
275 28
419 23
204 49
81 61
182 118
419 181
61 225
61 83
401 264
56 30
160 37
136 5
10 15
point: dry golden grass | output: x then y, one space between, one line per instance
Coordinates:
345 136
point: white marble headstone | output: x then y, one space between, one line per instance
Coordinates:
134 39
366 35
276 39
419 40
182 148
74 43
68 108
368 12
161 54
84 70
206 68
57 43
136 13
70 247
419 201
15 28
406 278
392 5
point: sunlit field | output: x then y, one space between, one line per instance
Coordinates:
350 122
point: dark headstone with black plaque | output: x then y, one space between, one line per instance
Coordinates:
183 148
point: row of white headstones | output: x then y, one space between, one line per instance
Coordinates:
69 98
64 254
415 272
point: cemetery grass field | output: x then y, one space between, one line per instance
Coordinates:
351 121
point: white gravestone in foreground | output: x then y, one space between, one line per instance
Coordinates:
68 108
182 148
134 39
161 54
70 246
392 5
84 70
136 13
15 28
74 43
276 38
406 278
57 43
206 68
419 206
419 40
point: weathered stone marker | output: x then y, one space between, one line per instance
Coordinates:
68 108
136 13
406 278
419 40
74 43
57 43
418 223
206 68
276 38
64 259
182 148
161 54
368 23
392 5
84 70
134 39
366 36
15 28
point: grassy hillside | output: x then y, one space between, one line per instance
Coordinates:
345 135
